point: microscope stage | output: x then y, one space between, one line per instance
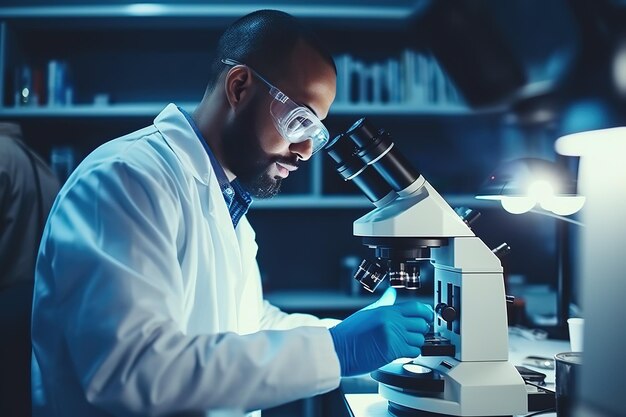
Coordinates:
403 376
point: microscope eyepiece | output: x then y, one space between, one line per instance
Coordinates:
375 147
351 168
362 132
363 147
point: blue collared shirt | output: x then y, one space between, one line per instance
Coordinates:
237 199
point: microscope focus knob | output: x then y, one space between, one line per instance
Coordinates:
446 312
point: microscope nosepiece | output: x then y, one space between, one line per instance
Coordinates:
413 282
405 275
370 274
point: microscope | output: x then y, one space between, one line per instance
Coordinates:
463 369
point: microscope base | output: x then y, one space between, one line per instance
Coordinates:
537 401
397 410
470 389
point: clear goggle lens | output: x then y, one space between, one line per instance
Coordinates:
297 123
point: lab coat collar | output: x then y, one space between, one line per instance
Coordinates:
179 135
237 198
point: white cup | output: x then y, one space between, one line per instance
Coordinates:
576 334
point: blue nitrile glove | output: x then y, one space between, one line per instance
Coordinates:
371 338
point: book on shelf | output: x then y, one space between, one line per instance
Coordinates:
50 86
412 78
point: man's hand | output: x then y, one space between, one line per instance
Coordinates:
379 333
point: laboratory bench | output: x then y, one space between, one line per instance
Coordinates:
358 396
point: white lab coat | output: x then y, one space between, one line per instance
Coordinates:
147 300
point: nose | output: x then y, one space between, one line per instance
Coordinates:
303 150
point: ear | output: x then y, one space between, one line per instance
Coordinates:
237 86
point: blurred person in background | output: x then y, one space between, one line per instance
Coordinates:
27 189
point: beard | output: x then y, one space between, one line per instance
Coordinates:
247 160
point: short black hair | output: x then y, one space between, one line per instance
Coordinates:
263 39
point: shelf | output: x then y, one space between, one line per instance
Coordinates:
152 109
400 109
312 202
351 202
114 110
211 11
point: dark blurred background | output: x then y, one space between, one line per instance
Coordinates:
461 85
518 75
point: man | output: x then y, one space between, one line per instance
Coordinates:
27 189
148 298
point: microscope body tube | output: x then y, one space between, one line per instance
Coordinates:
375 147
366 156
351 168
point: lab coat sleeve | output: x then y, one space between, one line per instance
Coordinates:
114 258
274 318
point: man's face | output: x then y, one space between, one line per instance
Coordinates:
254 158
253 149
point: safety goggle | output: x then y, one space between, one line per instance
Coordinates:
294 122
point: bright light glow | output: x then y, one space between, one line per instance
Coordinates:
541 190
517 205
488 197
146 9
565 205
619 68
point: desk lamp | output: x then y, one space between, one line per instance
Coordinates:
523 184
538 185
